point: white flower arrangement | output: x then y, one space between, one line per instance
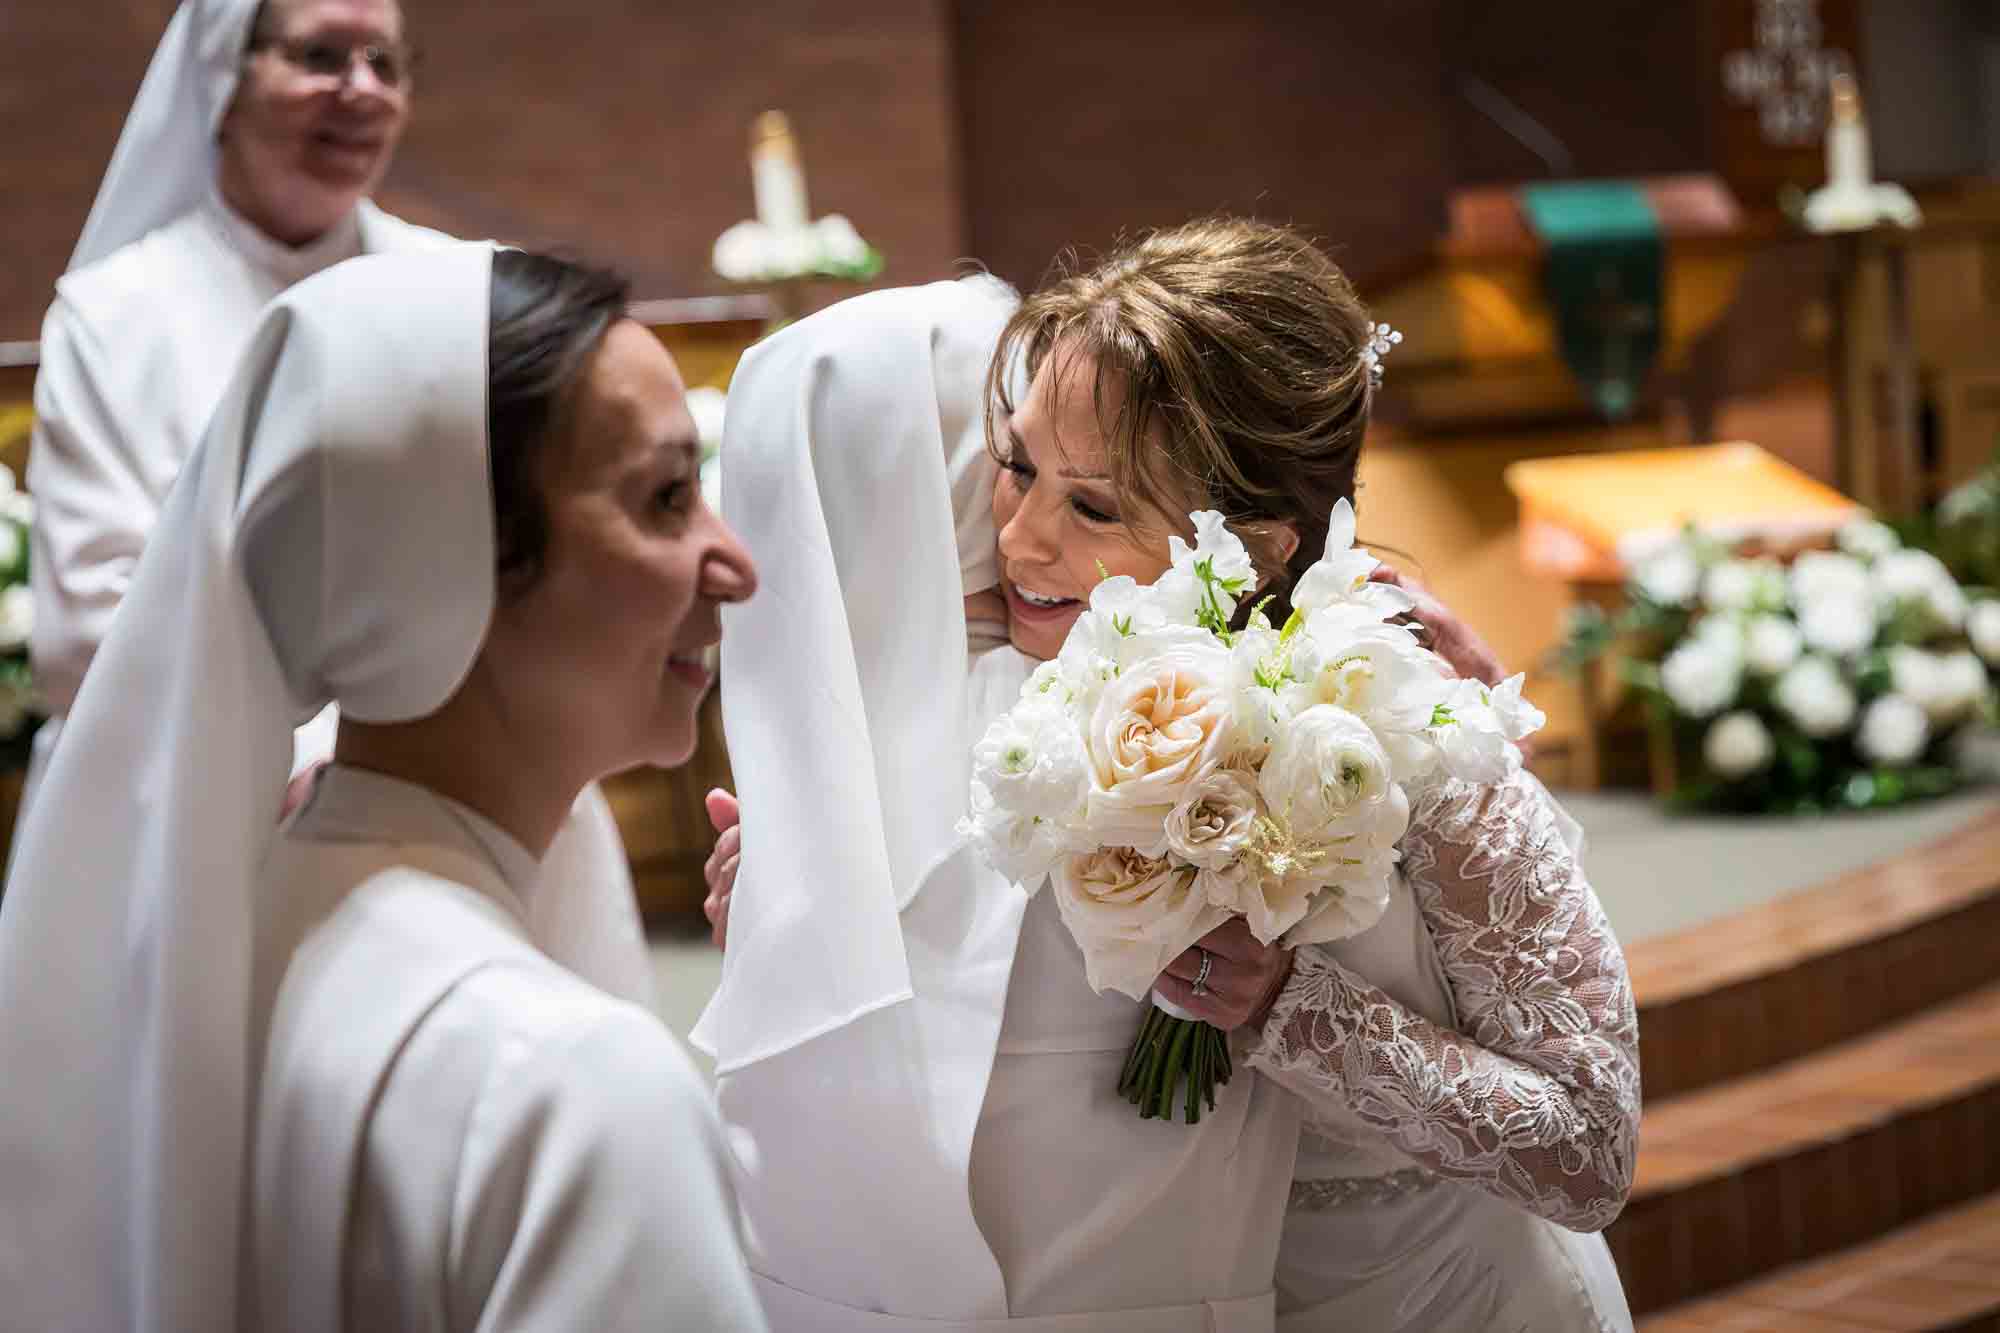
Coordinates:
1846 680
755 252
1165 772
19 711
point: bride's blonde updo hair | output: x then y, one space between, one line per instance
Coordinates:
1230 376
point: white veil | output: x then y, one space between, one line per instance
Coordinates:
165 161
331 541
862 487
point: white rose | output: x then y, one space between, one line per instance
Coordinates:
1893 730
1744 585
1671 577
1212 825
1838 624
1341 575
1737 745
1771 644
1131 915
1816 697
1982 626
1818 574
1032 759
17 616
1867 539
1154 728
1702 675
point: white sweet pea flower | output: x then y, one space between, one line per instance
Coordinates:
1471 739
1744 585
1771 644
1737 745
1669 578
1893 730
1257 679
1341 575
1982 626
1518 717
1867 539
1379 674
1702 675
1816 697
17 616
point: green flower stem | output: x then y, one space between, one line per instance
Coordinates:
1176 1062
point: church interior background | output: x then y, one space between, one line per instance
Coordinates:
1690 291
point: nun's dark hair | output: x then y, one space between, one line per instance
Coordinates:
548 317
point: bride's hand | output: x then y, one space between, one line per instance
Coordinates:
1244 977
720 869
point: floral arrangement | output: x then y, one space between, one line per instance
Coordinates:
18 713
757 252
1843 681
1165 773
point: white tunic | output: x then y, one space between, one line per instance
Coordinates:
452 1131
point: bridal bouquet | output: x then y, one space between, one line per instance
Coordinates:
1166 773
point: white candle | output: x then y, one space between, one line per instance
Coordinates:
775 178
1848 164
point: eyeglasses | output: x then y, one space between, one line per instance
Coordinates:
391 64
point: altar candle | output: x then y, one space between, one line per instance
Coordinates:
775 177
1848 164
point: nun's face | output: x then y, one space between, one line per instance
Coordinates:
317 114
602 656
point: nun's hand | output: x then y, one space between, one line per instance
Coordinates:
1244 977
720 868
1441 631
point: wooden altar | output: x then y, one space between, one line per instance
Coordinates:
659 811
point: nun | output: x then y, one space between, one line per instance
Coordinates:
244 167
326 1075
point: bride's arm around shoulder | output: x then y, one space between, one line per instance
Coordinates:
1534 1095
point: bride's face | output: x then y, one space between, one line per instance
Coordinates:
1062 525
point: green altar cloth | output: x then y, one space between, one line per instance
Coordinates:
1605 278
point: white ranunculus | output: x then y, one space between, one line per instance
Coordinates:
1327 767
1893 730
1671 577
1815 695
1032 759
1982 626
1821 574
1838 623
1737 745
1867 539
1130 914
1744 585
1771 644
1153 729
1341 575
17 616
1702 675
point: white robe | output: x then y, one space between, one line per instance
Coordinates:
1000 1179
453 1132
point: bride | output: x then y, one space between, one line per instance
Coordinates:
906 1044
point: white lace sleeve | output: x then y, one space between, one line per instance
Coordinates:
1536 1100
